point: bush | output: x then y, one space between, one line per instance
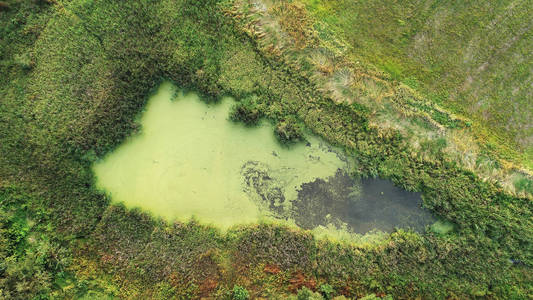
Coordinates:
523 184
24 60
306 294
326 290
374 297
240 293
246 111
289 130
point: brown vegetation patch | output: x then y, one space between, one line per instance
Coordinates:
295 22
299 280
207 286
272 269
4 6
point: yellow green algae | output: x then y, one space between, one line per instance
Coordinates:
188 160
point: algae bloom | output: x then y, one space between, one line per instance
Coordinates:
190 160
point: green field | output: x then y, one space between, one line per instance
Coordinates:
75 77
474 58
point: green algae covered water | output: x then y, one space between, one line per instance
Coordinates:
190 161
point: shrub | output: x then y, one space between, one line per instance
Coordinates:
289 130
24 61
306 294
326 290
240 293
523 184
246 111
374 297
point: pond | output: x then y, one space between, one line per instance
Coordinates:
190 160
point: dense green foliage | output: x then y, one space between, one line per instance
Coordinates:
289 130
240 293
75 74
246 111
34 260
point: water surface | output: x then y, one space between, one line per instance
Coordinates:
190 160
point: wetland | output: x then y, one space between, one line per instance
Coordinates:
190 160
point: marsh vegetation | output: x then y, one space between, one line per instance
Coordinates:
76 75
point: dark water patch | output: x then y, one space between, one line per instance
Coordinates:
360 204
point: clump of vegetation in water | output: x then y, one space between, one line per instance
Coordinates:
246 111
442 227
289 130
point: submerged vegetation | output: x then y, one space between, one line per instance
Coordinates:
76 74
